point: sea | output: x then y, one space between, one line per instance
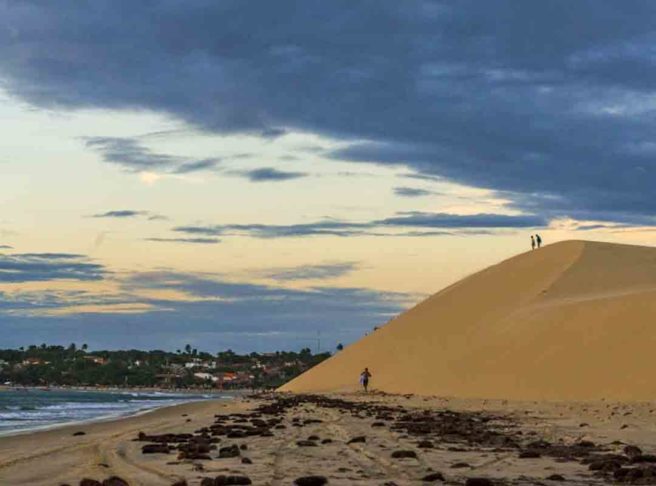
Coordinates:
32 409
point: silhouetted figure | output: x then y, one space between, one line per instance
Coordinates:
364 379
532 243
538 240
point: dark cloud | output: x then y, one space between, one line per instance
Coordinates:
39 267
411 192
197 241
120 213
371 228
268 174
549 102
130 213
217 315
312 272
129 153
6 247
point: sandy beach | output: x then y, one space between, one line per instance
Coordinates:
348 439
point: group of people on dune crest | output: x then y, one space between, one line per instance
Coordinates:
536 241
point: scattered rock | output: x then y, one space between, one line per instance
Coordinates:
403 454
90 482
246 460
359 439
229 451
478 482
432 477
115 481
79 432
632 451
529 455
306 443
311 481
556 477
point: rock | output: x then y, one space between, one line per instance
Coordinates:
115 481
314 437
311 481
355 440
231 480
182 482
155 449
90 482
432 477
556 477
207 482
229 451
306 443
327 441
246 460
378 424
425 444
632 451
459 465
78 433
243 447
529 455
403 454
478 482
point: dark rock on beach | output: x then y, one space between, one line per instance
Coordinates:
311 481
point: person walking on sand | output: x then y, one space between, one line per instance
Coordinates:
538 240
364 379
532 243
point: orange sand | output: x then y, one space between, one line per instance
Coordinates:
574 320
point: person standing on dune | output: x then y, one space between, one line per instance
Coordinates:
532 243
538 240
364 379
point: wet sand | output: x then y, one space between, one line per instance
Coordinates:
282 438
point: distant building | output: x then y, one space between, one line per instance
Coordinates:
96 359
34 361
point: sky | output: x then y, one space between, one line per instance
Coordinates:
277 175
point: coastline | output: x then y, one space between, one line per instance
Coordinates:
55 456
118 415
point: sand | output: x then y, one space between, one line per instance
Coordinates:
57 457
574 320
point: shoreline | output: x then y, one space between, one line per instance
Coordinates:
180 398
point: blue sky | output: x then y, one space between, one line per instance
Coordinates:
250 174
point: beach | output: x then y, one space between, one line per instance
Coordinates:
362 439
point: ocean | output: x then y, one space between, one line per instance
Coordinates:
22 410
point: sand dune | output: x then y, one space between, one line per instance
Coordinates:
574 320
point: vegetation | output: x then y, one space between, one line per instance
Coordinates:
75 366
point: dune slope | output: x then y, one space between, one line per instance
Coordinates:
574 320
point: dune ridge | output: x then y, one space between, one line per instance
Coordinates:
571 321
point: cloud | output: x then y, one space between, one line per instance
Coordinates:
557 123
268 174
130 154
6 247
198 241
312 272
411 192
41 267
122 213
371 228
130 213
217 314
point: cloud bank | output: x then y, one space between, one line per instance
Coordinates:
550 103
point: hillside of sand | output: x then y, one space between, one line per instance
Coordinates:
575 320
